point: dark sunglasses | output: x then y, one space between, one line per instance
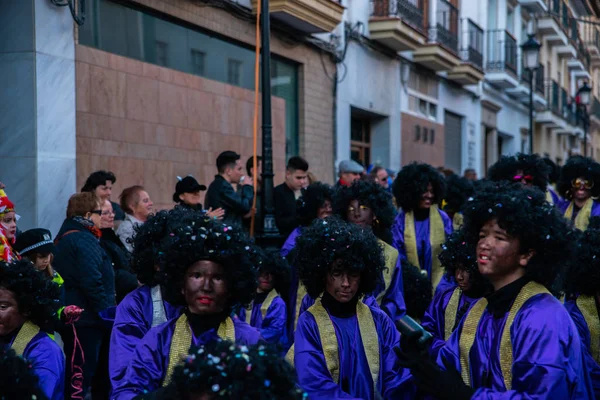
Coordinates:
99 212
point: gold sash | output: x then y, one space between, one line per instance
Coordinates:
587 306
450 313
583 218
549 198
182 341
457 221
469 330
26 334
263 308
391 259
437 237
299 297
368 335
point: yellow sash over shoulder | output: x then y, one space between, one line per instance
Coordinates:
391 259
469 331
450 313
264 307
182 341
457 221
26 334
587 306
368 335
437 237
582 219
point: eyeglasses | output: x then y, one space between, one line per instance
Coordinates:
577 183
361 207
520 178
99 212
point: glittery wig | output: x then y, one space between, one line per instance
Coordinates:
458 253
458 191
507 167
224 370
417 290
578 167
583 273
314 197
333 240
372 195
37 296
279 269
525 215
554 169
411 183
18 380
196 237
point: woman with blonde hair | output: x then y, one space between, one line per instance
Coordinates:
137 205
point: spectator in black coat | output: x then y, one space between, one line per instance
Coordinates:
89 281
287 193
100 183
220 194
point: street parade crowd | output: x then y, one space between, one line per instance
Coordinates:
419 284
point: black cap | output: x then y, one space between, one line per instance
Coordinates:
38 240
189 184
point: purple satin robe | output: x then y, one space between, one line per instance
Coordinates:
308 301
273 327
132 321
434 320
288 246
423 241
584 334
148 366
547 359
564 204
392 301
355 377
48 361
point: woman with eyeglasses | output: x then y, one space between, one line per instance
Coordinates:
89 284
577 185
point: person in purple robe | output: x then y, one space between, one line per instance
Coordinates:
145 307
224 370
449 306
418 292
29 304
315 203
267 312
458 191
421 227
527 169
579 185
582 287
370 206
343 348
18 380
209 270
519 341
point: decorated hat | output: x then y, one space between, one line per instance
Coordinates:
38 240
5 204
189 184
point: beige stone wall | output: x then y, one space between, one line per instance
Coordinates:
149 124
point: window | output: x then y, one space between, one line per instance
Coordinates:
234 71
360 140
198 58
510 20
423 94
124 30
422 107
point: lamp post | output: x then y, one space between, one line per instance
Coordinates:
531 61
583 99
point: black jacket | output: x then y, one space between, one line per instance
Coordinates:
285 210
125 279
86 270
220 194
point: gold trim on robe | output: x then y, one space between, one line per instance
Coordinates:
264 307
587 306
391 260
582 219
299 297
457 221
469 331
450 313
26 334
182 341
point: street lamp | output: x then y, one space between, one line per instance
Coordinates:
531 61
582 99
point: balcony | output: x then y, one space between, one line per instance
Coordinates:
591 40
550 25
501 61
441 53
306 16
551 116
470 71
398 24
595 111
534 6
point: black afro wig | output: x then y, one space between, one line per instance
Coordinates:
147 241
411 183
578 167
524 214
38 297
554 170
583 273
333 240
276 265
372 195
458 191
507 167
418 292
224 370
459 253
196 237
17 380
313 198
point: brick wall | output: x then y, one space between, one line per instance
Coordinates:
149 124
417 148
